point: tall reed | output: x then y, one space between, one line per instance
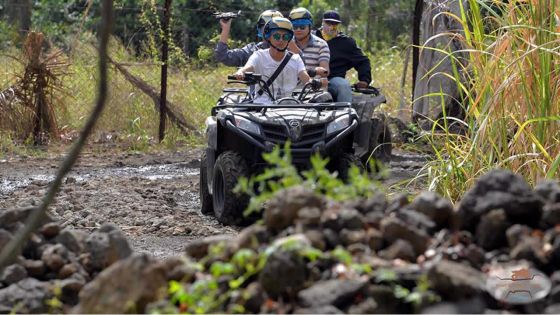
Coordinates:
511 98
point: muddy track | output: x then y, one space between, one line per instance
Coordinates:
153 198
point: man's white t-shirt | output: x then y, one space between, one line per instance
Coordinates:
285 82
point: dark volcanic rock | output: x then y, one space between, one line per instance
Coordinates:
331 292
455 281
434 206
500 189
284 274
491 230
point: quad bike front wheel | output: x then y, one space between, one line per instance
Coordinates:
380 146
205 196
228 206
344 163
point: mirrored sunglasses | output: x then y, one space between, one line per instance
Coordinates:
278 36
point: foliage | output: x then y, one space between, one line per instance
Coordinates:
511 95
282 174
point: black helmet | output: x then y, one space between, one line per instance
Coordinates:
264 18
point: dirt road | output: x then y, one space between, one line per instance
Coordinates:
153 198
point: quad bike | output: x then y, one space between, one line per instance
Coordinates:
239 131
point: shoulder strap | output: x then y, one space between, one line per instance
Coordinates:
276 73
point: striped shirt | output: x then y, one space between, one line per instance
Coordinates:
316 50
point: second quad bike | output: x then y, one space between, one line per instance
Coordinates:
239 131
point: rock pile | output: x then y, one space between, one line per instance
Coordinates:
380 256
55 263
312 255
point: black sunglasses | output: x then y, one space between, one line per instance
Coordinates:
300 27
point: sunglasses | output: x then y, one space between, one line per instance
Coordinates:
300 27
278 36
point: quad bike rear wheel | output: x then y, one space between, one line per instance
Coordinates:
380 146
205 196
228 206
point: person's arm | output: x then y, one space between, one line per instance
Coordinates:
239 74
361 63
226 27
233 57
248 67
303 76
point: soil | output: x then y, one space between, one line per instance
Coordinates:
152 197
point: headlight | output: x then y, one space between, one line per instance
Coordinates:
338 124
247 125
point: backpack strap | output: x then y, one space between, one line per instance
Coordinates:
276 73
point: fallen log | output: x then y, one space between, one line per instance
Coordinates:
172 110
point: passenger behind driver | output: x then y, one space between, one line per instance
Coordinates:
237 57
278 32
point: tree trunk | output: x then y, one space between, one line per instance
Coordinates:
25 15
369 25
19 14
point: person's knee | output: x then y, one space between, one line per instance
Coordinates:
340 89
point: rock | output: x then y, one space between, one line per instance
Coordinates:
50 230
389 304
368 306
399 249
469 306
253 297
283 208
74 240
284 274
5 238
474 255
515 233
400 201
35 268
491 230
316 238
126 286
437 208
393 229
199 248
106 246
67 270
375 239
350 219
12 274
349 237
529 248
252 237
9 217
179 269
549 191
551 214
309 217
456 281
416 219
332 238
339 293
376 203
71 288
500 189
325 309
55 256
26 296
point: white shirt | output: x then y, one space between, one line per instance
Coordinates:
285 82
